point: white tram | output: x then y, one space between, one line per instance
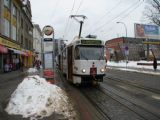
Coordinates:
82 61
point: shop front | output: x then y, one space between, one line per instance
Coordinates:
9 55
3 52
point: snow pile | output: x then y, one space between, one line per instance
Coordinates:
32 71
132 66
35 98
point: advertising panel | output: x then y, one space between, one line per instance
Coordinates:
48 60
147 31
48 46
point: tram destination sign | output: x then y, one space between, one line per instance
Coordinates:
91 42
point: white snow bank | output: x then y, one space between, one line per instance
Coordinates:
32 70
35 97
132 64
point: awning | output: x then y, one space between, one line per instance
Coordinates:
3 49
17 51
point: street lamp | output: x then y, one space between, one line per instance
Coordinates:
124 26
126 47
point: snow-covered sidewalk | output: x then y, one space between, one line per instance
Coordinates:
133 66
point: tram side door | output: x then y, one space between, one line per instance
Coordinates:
70 63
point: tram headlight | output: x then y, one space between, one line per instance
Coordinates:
102 70
83 70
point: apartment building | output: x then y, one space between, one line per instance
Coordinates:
16 33
37 41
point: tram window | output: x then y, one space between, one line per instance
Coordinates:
64 54
76 53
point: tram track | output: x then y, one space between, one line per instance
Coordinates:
133 84
110 115
111 106
96 110
139 110
101 111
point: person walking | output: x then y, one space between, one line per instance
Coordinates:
155 64
21 66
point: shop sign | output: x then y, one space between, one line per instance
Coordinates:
9 43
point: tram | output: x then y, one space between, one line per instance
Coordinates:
82 61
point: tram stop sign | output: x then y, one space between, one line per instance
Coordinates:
126 51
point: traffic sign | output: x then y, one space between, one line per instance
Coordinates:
126 50
126 47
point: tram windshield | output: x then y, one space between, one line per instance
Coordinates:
89 52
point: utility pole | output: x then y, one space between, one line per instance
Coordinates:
80 21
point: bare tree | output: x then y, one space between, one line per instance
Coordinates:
152 11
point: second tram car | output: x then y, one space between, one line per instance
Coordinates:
82 61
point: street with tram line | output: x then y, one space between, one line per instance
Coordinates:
120 96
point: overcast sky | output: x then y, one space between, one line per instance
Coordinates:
102 16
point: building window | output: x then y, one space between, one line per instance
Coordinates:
14 33
21 23
7 3
6 28
14 10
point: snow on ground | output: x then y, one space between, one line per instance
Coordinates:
36 98
32 70
132 66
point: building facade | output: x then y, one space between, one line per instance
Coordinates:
124 48
132 49
37 41
16 34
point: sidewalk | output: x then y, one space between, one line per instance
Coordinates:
134 66
141 70
4 77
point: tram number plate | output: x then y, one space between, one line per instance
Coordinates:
93 71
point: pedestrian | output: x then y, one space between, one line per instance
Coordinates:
17 63
21 66
155 63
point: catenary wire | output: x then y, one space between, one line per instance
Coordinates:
107 13
132 10
67 23
80 4
120 14
54 10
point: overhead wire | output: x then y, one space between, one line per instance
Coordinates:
107 13
120 14
81 2
129 12
132 10
67 23
54 10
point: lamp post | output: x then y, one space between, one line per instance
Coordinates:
124 26
126 47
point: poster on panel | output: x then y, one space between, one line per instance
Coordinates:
48 60
147 31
